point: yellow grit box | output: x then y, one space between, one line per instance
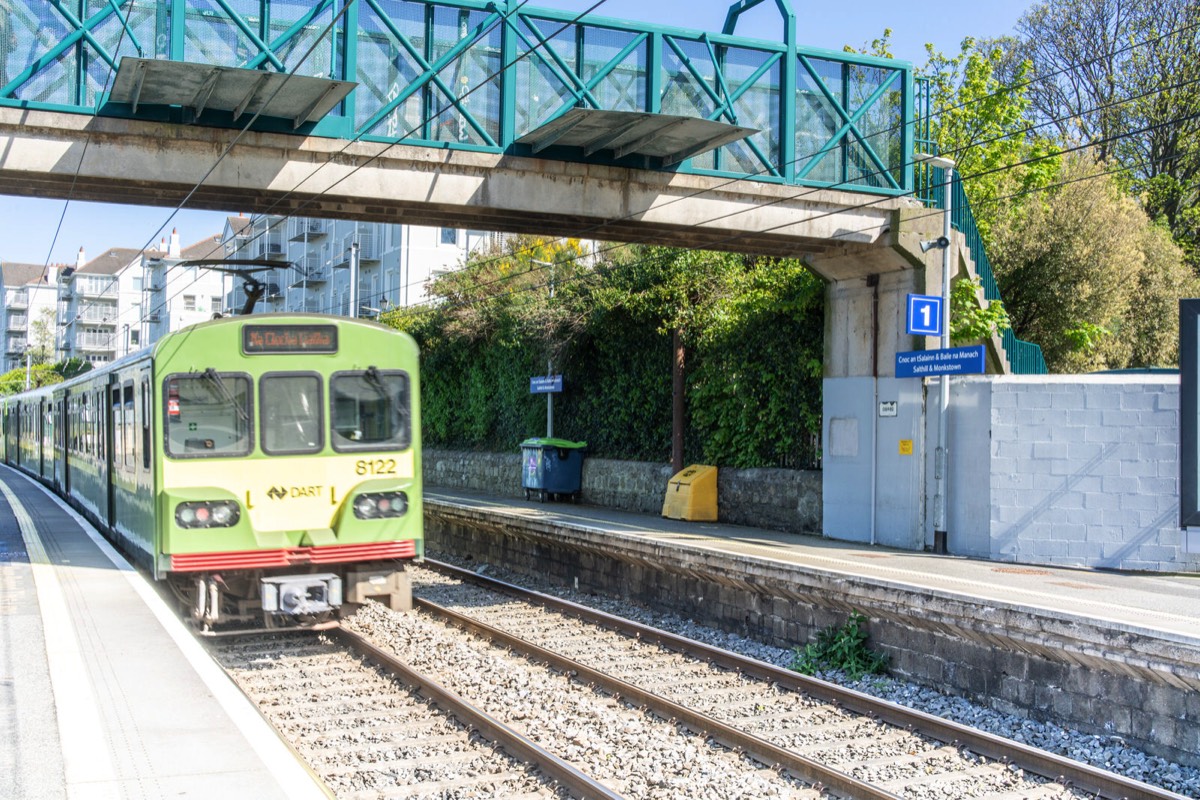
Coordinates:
692 494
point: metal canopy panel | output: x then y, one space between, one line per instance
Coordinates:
200 87
664 138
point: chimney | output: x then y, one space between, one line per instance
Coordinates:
174 251
80 259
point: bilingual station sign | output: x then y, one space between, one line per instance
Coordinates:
924 317
545 384
948 361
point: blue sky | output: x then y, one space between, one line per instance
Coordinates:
29 224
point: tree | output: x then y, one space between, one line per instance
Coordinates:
984 125
42 335
1085 274
1125 77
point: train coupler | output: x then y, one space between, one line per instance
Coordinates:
301 594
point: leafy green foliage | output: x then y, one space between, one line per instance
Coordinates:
40 375
984 124
752 330
843 648
973 319
1086 275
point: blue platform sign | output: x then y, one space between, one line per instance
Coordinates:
950 361
545 384
924 317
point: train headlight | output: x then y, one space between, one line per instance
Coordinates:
381 505
215 514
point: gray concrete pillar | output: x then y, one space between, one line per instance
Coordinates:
873 424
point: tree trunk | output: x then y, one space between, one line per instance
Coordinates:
677 403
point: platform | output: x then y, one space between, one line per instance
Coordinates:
1153 604
1106 652
104 693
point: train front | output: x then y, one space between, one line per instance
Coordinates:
289 476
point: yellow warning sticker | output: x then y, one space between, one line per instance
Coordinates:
906 447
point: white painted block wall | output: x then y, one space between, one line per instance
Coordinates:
1077 470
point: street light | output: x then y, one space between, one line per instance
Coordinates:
940 461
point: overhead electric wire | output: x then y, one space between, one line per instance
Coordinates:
932 213
740 178
933 115
878 200
228 148
431 117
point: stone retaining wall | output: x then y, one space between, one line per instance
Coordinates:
778 499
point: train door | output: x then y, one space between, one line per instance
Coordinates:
100 451
67 430
58 449
39 433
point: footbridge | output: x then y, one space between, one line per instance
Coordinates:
497 115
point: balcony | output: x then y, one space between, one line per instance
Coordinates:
302 229
270 246
314 278
92 289
154 318
17 322
18 299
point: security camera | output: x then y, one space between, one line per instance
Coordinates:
940 243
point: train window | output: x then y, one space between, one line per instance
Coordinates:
118 427
130 426
370 410
207 414
290 413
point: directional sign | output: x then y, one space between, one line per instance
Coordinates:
949 361
545 384
924 317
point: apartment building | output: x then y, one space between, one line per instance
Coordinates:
30 304
176 294
395 262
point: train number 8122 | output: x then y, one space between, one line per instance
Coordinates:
375 466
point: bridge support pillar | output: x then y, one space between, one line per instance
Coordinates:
875 446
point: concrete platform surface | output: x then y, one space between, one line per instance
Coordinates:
104 693
1154 605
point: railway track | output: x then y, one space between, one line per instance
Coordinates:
493 691
854 744
371 727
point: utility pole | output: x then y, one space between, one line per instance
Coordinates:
354 277
941 457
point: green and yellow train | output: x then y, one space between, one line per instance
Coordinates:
266 467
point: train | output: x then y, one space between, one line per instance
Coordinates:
264 468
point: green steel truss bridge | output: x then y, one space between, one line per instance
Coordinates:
472 75
491 78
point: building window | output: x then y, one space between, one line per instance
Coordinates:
218 305
135 338
189 302
449 236
137 284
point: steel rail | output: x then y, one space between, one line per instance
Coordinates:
1040 762
510 740
765 752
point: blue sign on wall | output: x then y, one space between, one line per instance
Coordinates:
545 384
950 361
924 317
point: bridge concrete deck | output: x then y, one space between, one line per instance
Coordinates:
106 159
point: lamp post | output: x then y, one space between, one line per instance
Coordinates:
941 457
549 360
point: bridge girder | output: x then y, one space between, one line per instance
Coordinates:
60 155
